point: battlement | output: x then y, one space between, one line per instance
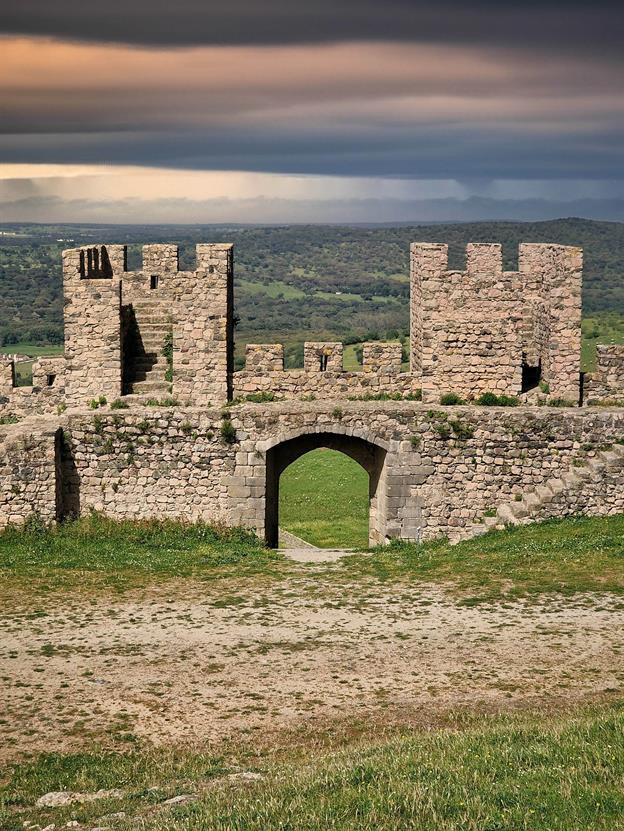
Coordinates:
164 332
96 262
323 373
485 329
486 258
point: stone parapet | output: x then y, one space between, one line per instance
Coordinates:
606 382
433 472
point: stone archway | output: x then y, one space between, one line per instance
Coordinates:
371 455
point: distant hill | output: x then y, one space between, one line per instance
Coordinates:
296 282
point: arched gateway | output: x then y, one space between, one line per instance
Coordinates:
370 454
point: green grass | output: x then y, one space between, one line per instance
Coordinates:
504 773
94 549
31 349
603 328
564 556
324 500
349 360
23 370
274 289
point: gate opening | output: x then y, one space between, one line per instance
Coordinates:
336 496
323 499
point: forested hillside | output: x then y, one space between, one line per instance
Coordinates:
298 282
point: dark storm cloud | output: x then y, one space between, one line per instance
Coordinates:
410 110
553 24
400 153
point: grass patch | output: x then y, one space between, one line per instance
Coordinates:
571 556
565 556
32 349
600 328
324 500
127 553
538 773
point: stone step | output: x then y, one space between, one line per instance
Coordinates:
515 513
144 387
149 362
147 376
152 346
506 515
151 318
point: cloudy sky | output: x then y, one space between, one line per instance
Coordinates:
336 110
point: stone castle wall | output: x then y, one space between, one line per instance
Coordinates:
109 310
432 472
45 395
471 332
92 291
438 471
29 478
323 374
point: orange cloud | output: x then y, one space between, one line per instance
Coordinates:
49 85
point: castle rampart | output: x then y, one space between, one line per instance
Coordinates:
151 350
433 472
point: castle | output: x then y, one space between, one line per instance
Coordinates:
144 416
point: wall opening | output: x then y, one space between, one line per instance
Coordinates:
50 379
95 264
323 359
324 500
67 478
23 374
356 493
531 375
154 281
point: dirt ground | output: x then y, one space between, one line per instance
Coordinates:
198 662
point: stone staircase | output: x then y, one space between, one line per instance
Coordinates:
536 500
147 366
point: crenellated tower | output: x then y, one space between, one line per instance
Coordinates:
489 330
159 332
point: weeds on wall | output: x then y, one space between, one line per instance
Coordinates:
561 402
462 430
387 396
451 398
264 397
95 403
163 402
227 430
490 399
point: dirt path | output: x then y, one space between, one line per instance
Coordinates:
205 666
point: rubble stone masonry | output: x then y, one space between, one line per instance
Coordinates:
172 436
433 472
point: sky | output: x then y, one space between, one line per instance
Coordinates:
332 110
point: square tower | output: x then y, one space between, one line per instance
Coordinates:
92 315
